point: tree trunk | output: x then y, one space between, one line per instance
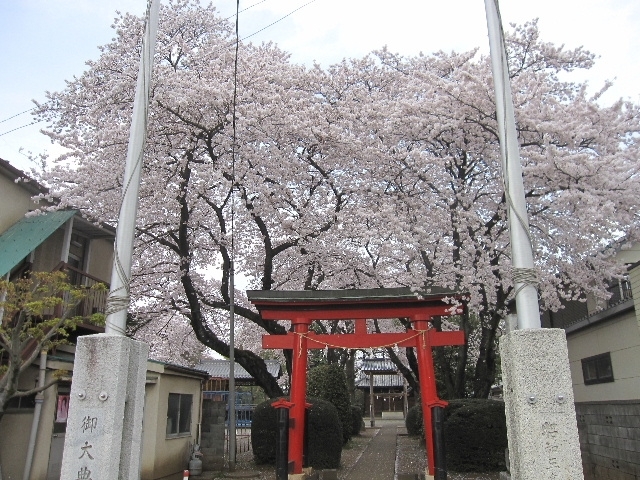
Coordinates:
350 372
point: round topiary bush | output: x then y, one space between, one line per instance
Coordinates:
329 382
475 432
356 419
324 440
264 432
324 434
413 421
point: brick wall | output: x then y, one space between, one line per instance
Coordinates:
610 439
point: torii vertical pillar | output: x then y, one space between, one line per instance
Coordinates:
428 395
298 394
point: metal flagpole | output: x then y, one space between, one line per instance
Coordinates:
524 275
119 299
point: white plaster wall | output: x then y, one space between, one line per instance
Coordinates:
101 259
620 337
15 202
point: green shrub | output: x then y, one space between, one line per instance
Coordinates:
264 432
329 382
475 435
324 434
356 419
413 421
324 446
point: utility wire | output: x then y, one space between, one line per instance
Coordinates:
17 115
231 45
18 128
279 20
244 9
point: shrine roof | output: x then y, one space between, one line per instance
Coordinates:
378 366
380 381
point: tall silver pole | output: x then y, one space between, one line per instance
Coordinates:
524 276
119 299
232 376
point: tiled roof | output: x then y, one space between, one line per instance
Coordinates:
382 381
375 365
180 368
220 369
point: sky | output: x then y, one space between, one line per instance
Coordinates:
46 42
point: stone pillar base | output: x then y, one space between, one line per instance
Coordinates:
540 410
104 427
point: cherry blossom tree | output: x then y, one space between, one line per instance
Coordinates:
380 171
170 339
437 179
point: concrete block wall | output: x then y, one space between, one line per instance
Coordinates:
609 435
212 434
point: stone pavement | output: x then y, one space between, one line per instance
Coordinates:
377 462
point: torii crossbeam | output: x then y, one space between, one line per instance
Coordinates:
303 307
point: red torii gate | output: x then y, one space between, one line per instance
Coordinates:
303 307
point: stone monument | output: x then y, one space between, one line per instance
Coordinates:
540 410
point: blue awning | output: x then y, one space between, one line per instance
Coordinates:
24 236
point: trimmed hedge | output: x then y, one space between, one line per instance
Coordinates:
264 432
329 382
356 420
475 433
324 437
413 421
324 446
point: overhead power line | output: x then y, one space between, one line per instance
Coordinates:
18 128
245 9
279 20
17 115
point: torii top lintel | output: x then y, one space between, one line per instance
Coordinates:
354 304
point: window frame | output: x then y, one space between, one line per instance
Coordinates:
176 410
602 366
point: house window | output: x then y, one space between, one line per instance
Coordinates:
22 403
597 369
179 414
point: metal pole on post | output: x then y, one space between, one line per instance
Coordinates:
118 299
534 360
110 368
232 377
521 248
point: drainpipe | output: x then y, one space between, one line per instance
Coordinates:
36 416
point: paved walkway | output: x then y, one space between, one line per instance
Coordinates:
379 458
